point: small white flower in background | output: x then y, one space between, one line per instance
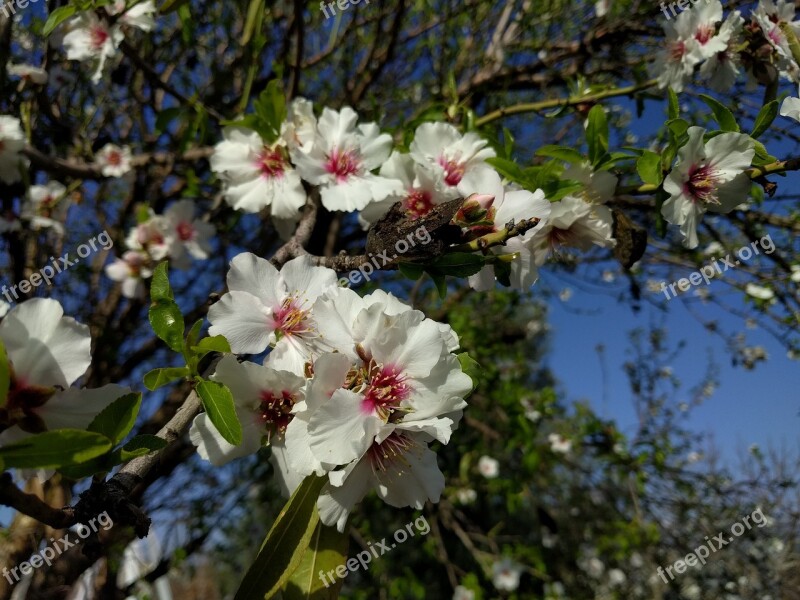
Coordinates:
420 190
549 540
791 108
617 577
637 562
758 292
488 467
572 223
141 15
46 206
565 294
769 16
451 156
693 457
609 276
554 591
299 130
35 75
186 236
114 160
48 352
599 186
131 270
89 38
601 8
722 68
707 42
692 591
12 141
592 566
266 307
795 276
4 308
559 444
506 574
149 238
341 160
466 496
264 399
683 406
675 64
708 176
256 174
462 593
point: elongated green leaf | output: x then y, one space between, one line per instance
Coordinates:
597 134
285 544
159 286
57 17
471 367
117 419
218 402
141 445
673 106
507 168
5 375
53 449
326 551
194 333
722 114
171 6
564 153
411 270
459 264
649 167
160 377
765 118
217 343
255 18
167 323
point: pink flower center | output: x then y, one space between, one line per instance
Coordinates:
417 204
560 237
185 231
453 169
775 35
392 450
272 163
702 184
290 319
343 163
704 34
114 158
98 35
677 50
275 411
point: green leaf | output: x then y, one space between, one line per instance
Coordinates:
458 264
159 286
765 118
171 6
57 17
649 168
194 333
285 544
326 551
471 367
141 445
673 105
722 115
53 449
507 168
167 323
254 20
218 343
271 110
502 272
218 402
564 153
160 377
411 270
440 282
597 133
5 375
117 419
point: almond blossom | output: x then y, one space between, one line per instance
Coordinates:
256 174
35 75
186 237
265 308
451 156
47 353
769 16
708 176
722 68
341 160
46 206
113 160
131 270
263 399
12 141
89 38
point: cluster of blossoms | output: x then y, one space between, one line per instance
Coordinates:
700 37
47 353
352 388
176 235
96 40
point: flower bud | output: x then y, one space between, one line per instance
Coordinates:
476 210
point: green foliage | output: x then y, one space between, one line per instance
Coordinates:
218 404
326 551
53 449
